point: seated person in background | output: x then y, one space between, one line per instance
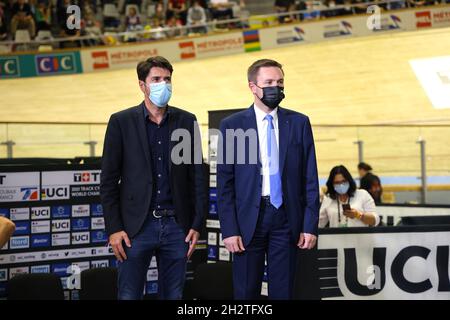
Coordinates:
133 21
360 6
71 35
396 5
331 12
3 29
196 18
22 18
178 9
174 26
283 6
160 11
314 7
43 15
416 3
372 184
334 12
7 229
344 205
221 9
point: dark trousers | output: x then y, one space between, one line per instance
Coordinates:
272 239
162 238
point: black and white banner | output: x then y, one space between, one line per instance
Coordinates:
397 265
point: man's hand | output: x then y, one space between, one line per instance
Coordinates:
115 240
192 238
234 244
307 241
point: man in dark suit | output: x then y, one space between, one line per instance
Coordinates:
268 191
154 198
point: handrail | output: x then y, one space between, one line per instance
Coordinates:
209 24
325 125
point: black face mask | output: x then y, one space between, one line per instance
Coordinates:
272 96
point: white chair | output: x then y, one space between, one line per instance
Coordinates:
22 36
5 48
44 35
110 10
151 10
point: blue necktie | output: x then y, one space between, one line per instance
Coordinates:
276 195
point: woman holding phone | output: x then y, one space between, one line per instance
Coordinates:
344 205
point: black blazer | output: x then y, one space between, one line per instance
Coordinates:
126 177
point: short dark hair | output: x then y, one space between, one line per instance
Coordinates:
330 187
364 166
144 67
253 70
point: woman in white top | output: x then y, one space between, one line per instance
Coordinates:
344 205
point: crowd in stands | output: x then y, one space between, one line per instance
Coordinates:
145 20
317 9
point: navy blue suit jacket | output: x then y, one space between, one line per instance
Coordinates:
239 185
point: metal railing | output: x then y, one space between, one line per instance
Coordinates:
411 150
211 26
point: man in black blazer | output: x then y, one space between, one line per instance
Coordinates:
152 188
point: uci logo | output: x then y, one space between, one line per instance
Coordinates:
55 193
40 213
80 238
60 225
381 266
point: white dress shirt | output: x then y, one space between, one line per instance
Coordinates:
262 137
330 212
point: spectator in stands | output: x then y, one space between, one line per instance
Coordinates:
396 5
331 9
7 229
43 15
284 6
174 27
61 13
22 18
133 21
160 12
416 3
313 8
178 9
196 18
3 28
372 184
344 205
92 25
70 34
360 6
221 9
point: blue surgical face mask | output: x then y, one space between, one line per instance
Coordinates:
342 188
160 93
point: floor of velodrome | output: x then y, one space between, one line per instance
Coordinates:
348 81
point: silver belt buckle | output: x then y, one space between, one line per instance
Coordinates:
156 216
